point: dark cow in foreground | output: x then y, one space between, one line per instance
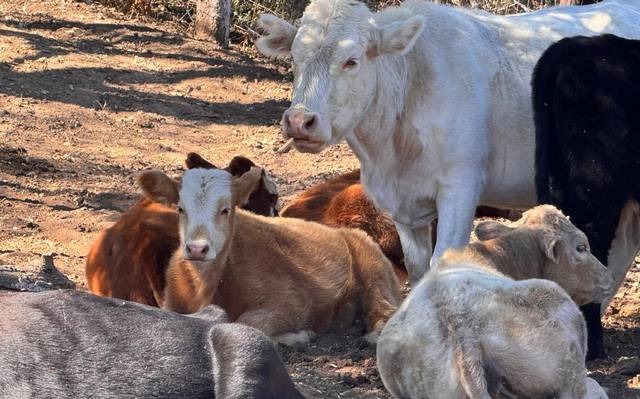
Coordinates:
129 259
586 99
69 344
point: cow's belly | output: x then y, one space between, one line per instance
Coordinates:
517 194
408 198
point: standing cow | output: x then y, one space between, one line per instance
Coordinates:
435 102
586 98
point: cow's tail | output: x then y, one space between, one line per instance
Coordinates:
470 367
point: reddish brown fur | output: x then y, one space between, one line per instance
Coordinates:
307 276
342 202
129 259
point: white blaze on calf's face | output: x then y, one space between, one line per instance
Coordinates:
205 209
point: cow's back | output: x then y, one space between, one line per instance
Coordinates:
71 344
128 260
286 254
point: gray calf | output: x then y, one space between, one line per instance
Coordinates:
69 344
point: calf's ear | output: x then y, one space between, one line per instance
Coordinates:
243 186
194 160
159 187
239 166
551 245
396 38
491 229
278 36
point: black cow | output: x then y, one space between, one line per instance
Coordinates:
69 344
586 100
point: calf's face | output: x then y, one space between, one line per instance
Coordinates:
335 52
568 259
205 200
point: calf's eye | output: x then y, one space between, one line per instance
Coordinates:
581 248
180 210
225 211
349 64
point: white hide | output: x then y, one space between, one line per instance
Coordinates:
459 318
203 194
624 248
439 121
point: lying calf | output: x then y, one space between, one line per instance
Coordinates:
279 275
128 260
69 344
469 326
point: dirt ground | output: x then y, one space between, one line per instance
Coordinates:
89 97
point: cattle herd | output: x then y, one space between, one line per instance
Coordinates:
452 113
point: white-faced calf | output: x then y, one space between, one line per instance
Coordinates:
279 275
470 330
129 259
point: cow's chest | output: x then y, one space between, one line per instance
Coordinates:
407 197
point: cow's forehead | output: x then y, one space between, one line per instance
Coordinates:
204 188
329 24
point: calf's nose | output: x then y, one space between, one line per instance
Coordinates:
299 123
197 250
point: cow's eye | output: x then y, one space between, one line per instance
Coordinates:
581 248
180 210
351 63
225 211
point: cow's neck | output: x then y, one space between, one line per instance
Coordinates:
516 254
379 123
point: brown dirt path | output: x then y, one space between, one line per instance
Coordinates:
89 97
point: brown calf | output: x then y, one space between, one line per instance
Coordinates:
129 259
283 276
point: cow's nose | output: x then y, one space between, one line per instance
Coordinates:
197 250
299 123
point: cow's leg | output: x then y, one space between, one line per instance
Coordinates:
596 211
416 246
624 247
600 231
456 206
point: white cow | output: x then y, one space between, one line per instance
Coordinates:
434 101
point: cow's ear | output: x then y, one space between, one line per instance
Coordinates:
239 165
491 229
243 186
551 245
194 160
397 38
159 187
278 37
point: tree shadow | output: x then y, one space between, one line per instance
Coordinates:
91 90
94 87
16 162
